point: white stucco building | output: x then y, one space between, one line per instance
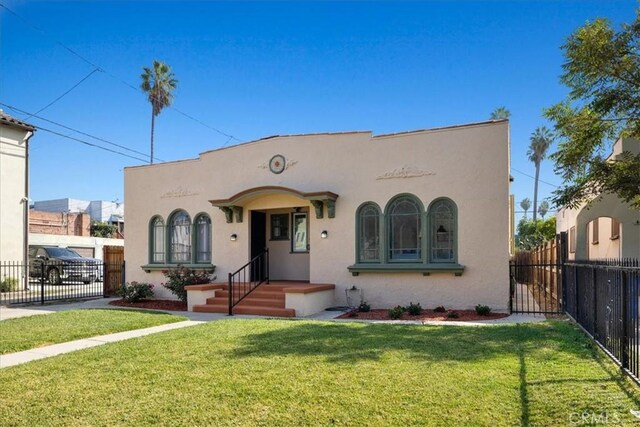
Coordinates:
14 188
419 216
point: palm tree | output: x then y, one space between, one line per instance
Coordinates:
543 209
500 113
541 139
158 82
525 204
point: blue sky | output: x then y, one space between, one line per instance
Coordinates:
257 69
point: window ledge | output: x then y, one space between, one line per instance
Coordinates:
156 267
425 269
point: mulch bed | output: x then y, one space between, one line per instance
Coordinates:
464 315
153 304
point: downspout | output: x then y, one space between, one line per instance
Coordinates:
25 201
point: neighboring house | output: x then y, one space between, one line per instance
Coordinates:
419 216
605 228
14 188
67 230
98 210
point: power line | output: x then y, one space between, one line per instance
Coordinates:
63 95
75 130
533 177
84 59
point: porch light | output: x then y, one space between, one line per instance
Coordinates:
234 237
324 234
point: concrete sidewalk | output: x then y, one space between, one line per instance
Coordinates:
21 357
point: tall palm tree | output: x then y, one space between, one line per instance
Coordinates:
525 204
500 113
541 139
158 82
543 209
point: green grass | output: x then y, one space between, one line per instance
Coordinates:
295 373
25 333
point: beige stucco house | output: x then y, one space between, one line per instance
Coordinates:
419 216
606 227
14 188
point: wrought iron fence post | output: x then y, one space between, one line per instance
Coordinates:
267 253
230 290
625 320
596 335
104 279
564 254
42 272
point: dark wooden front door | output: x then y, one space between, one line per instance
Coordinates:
258 237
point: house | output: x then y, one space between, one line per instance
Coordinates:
606 227
14 188
98 210
418 216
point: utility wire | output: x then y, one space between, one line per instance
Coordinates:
82 58
531 176
75 130
63 95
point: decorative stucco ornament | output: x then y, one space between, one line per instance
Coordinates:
177 192
405 171
277 164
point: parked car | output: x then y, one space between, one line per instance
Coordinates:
60 264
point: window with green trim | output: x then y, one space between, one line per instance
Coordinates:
156 245
404 217
180 238
203 238
368 223
442 229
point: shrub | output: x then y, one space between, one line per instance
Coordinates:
9 284
134 291
440 309
483 310
453 314
414 309
182 276
364 307
396 312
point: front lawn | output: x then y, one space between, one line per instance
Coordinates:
293 373
25 333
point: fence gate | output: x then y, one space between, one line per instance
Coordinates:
537 279
113 268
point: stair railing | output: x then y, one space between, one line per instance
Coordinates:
257 273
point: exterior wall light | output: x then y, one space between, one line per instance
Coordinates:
234 237
324 234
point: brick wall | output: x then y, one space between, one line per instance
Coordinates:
65 224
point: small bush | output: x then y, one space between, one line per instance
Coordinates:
364 307
396 312
453 314
483 310
414 309
182 276
134 291
9 284
440 309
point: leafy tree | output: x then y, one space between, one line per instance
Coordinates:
541 139
602 71
534 233
525 204
159 83
103 229
543 209
500 113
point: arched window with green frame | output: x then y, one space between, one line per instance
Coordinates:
156 240
179 237
202 238
403 216
368 218
443 231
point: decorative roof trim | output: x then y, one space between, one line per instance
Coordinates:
272 189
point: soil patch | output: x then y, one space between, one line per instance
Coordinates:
463 315
153 304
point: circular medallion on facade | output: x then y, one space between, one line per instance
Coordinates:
277 163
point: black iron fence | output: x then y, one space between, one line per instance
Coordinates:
247 278
42 281
603 298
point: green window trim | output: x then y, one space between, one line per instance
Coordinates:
403 254
184 233
279 226
443 231
166 266
365 214
425 269
157 226
202 255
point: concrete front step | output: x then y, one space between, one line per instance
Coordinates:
250 300
258 293
246 309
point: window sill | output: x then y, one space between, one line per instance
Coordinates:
425 269
156 267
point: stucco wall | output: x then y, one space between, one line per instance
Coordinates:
467 164
12 192
284 264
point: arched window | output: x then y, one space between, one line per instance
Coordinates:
180 238
368 226
404 218
443 231
203 238
156 240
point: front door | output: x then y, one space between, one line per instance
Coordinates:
258 240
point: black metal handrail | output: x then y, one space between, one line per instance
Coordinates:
257 269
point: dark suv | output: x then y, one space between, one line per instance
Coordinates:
62 264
